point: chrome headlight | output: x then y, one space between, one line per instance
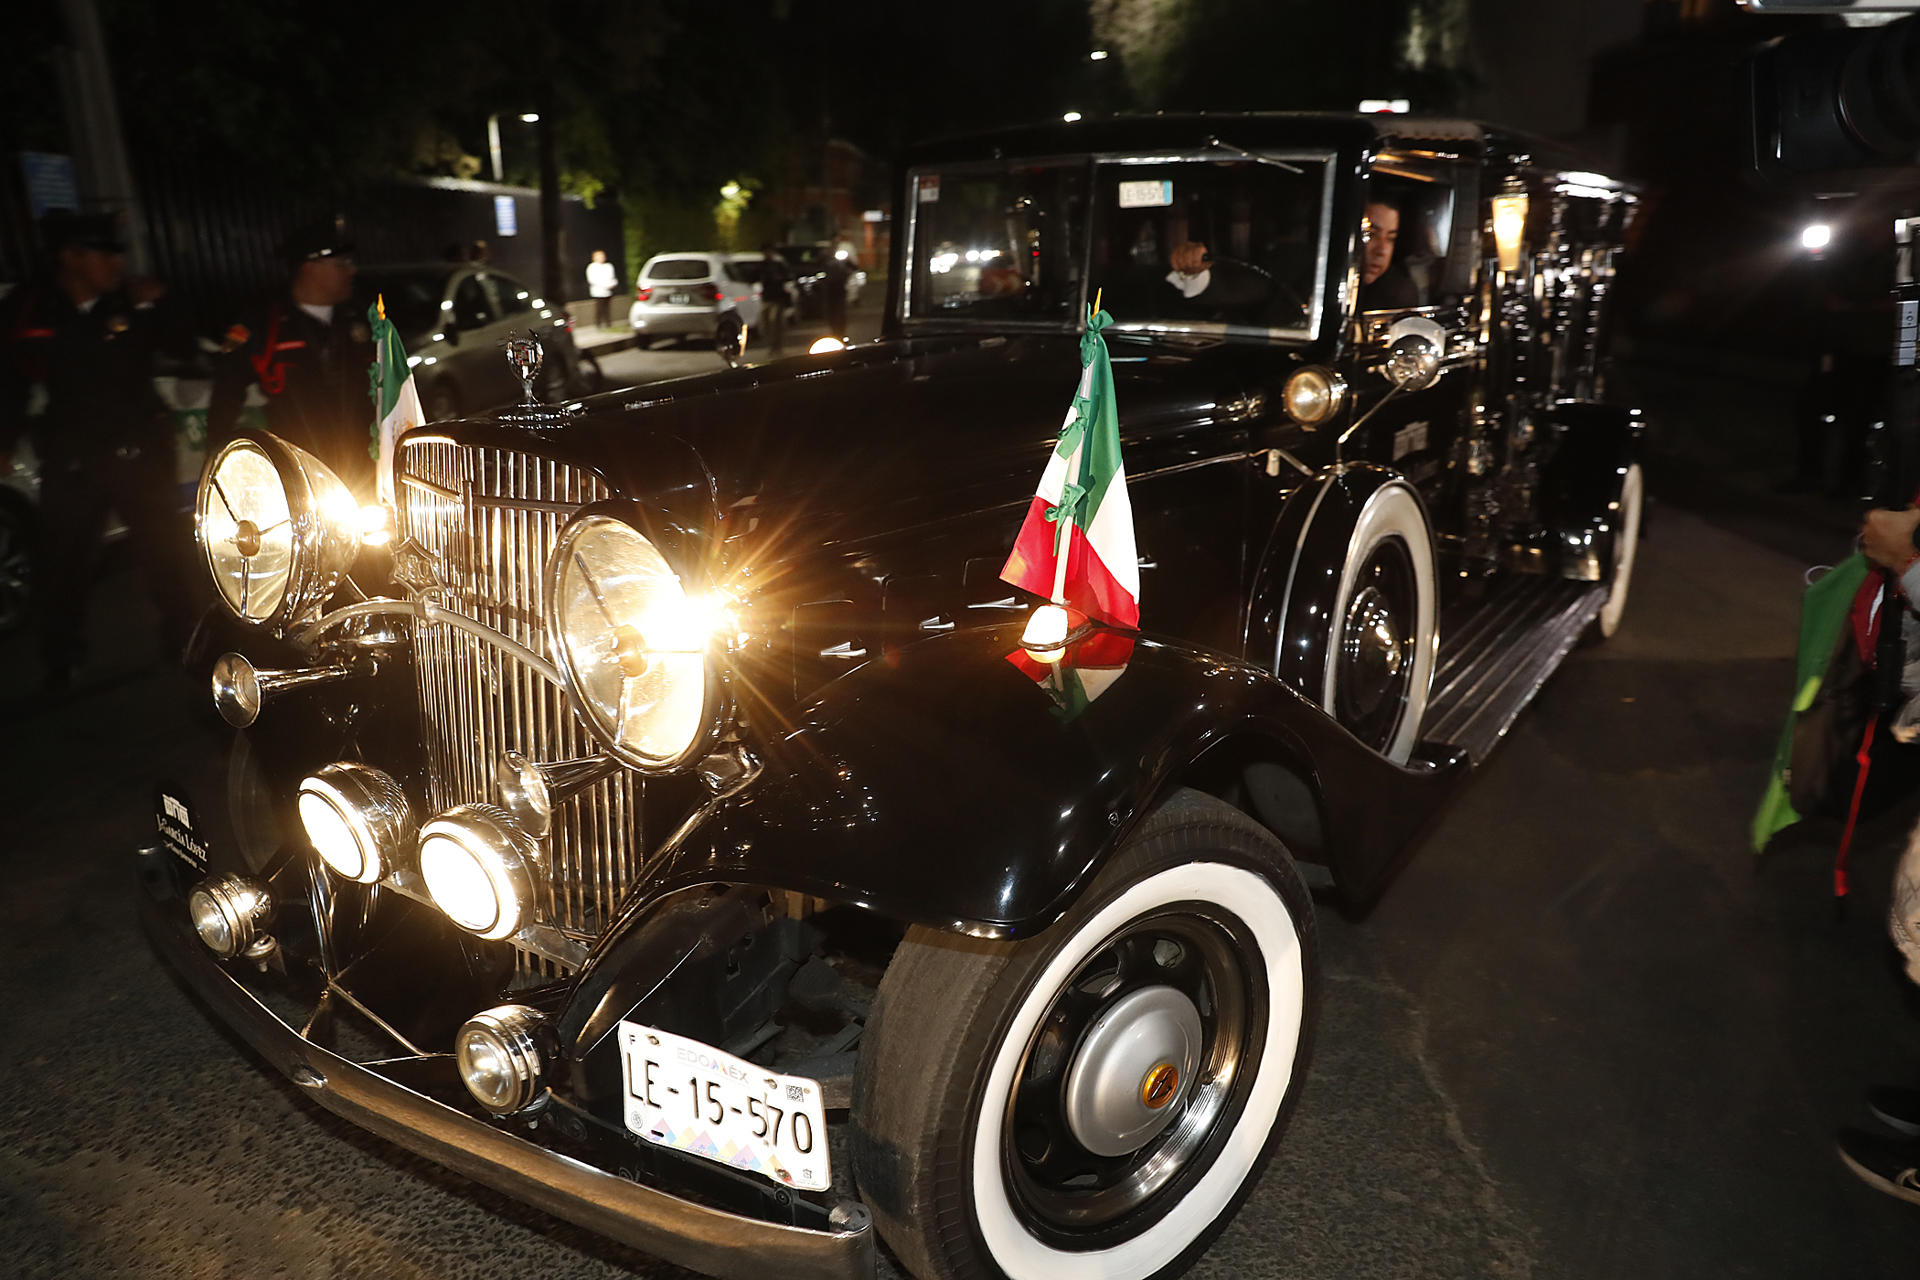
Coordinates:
1313 395
475 860
356 819
276 529
634 645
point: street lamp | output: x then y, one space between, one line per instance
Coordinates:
493 138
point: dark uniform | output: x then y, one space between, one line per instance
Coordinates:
314 374
104 440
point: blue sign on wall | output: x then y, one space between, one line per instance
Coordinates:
506 222
50 183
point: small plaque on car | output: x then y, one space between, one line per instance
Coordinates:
178 826
695 1098
1147 193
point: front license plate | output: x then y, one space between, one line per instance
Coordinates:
694 1098
679 299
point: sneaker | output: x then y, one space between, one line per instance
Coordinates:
1896 1108
1891 1165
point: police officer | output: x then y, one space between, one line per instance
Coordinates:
308 350
79 342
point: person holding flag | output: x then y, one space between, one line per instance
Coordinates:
396 400
1076 546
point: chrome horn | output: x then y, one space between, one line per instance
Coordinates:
241 689
531 792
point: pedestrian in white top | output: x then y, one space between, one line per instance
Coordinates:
601 278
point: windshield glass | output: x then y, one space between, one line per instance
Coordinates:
1211 246
997 244
678 269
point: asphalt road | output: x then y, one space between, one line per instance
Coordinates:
1587 1033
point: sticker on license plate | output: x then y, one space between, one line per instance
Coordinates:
694 1098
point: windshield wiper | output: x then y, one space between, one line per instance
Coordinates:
1217 145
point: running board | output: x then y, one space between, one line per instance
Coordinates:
1496 653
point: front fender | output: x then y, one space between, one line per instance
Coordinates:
961 785
1580 489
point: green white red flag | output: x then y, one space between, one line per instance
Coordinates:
1076 546
396 401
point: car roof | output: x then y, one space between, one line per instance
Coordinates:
1231 130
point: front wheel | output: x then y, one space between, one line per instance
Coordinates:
1096 1100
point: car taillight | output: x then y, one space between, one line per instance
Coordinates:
711 291
644 295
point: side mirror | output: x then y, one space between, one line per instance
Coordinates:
1412 363
1415 345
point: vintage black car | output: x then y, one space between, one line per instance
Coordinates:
669 827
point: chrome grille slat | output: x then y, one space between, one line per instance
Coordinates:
489 518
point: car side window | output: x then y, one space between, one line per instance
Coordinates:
1419 237
512 296
1210 245
472 309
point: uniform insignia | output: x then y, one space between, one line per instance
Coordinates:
236 338
118 324
360 332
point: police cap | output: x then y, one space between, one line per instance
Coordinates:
63 228
315 241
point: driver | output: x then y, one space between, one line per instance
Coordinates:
1384 282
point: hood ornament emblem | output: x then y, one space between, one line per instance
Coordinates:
525 356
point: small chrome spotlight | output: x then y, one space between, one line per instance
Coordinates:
500 1059
356 819
231 914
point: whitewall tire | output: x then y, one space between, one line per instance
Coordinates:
1383 635
1626 546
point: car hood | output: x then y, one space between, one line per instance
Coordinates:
891 436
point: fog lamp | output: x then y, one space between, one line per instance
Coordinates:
230 913
475 861
498 1053
357 820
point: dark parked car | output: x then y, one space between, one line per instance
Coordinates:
454 317
671 829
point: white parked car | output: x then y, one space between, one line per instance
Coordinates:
686 295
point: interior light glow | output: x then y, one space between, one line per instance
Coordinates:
1509 226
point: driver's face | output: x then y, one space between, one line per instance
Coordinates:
1380 230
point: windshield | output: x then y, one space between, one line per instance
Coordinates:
677 269
1211 246
1000 244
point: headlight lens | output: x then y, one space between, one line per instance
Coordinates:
1313 395
246 530
276 528
633 643
474 860
356 819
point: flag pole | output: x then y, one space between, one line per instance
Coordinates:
1065 541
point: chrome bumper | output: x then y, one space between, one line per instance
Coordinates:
687 1234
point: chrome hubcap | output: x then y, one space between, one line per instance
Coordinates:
1133 1062
1374 657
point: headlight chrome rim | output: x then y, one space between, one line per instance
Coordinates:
716 705
495 847
322 521
372 809
230 913
1332 395
510 1036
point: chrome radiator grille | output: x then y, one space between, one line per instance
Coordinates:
489 518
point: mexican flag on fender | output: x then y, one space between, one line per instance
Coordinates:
396 401
1082 506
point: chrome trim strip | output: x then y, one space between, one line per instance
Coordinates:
432 612
682 1232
